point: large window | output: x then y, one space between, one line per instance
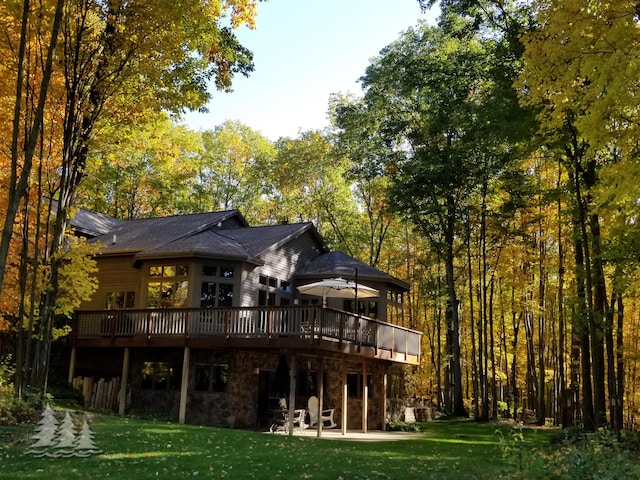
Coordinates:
160 376
355 384
368 308
120 300
168 286
216 288
211 378
307 383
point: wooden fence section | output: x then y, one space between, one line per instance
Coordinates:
99 395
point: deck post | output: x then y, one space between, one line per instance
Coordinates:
320 382
182 414
365 398
384 397
343 427
122 400
72 365
292 392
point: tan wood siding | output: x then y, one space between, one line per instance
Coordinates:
115 274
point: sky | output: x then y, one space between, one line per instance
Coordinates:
305 50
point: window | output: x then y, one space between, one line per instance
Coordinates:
159 376
269 292
266 298
355 385
368 309
168 286
307 382
209 271
211 378
225 295
120 300
214 290
227 272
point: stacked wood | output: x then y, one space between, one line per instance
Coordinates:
100 395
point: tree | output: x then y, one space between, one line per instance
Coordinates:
359 139
446 122
143 170
586 101
311 184
111 69
233 169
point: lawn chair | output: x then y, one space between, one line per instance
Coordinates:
300 419
326 416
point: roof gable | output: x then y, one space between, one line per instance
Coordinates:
259 239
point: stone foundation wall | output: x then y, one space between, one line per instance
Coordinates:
237 407
333 394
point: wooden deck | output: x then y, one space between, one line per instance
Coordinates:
299 328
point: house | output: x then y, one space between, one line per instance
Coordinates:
194 313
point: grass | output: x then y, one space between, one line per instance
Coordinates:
143 449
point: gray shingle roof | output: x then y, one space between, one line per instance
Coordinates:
87 222
214 235
204 244
134 236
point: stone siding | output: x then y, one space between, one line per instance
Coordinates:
237 407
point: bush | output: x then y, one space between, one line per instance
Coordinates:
582 456
403 427
14 411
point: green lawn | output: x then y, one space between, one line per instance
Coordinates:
139 449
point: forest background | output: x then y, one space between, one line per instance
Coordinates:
491 162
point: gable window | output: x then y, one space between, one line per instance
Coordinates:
211 378
168 286
216 288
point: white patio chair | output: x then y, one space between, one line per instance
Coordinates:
300 419
326 416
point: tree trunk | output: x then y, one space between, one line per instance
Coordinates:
494 385
540 403
474 352
562 403
454 378
620 363
580 325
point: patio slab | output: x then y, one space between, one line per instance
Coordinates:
355 435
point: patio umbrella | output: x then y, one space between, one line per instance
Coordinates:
338 288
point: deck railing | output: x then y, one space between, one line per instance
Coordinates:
304 322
